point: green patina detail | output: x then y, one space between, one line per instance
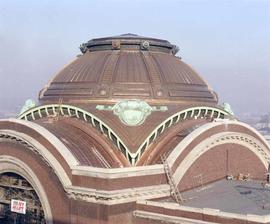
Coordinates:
132 112
28 105
104 107
227 107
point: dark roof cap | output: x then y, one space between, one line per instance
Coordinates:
129 41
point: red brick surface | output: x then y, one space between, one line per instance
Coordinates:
214 165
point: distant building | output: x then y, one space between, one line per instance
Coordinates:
263 126
129 133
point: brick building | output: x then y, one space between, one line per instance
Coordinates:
119 135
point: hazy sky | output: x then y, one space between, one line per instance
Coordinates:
226 42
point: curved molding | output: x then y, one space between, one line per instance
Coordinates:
12 164
200 130
61 148
118 196
36 147
72 111
248 141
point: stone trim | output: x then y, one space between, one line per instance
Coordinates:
39 149
118 196
62 149
115 173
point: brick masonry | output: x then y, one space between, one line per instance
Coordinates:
219 161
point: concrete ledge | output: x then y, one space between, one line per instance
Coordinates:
114 173
118 196
210 211
214 213
167 218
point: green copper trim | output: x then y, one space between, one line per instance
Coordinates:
227 107
132 112
28 105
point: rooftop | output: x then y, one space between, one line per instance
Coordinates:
245 197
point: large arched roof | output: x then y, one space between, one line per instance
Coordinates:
89 146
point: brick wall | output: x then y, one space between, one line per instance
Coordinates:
219 161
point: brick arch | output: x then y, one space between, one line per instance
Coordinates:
249 142
34 145
17 158
14 165
220 161
244 136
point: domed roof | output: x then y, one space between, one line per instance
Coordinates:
127 67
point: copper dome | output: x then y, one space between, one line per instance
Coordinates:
125 67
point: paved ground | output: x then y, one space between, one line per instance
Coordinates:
246 197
